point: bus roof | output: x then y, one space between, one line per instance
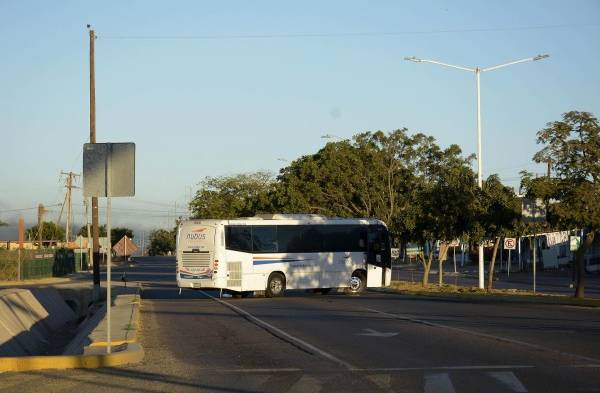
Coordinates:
284 219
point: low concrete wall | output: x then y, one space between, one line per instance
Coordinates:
28 317
89 348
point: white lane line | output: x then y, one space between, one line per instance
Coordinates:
485 335
255 370
303 344
449 368
438 383
509 380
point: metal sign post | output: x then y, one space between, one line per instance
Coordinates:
454 244
510 243
108 171
534 263
534 210
108 273
108 257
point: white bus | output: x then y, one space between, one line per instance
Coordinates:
273 253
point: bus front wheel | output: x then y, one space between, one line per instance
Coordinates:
275 285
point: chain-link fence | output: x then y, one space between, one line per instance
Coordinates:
40 263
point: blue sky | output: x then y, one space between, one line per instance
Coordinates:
205 107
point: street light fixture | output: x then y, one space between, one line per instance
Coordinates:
478 71
329 136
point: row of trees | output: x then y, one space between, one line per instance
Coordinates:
52 231
424 193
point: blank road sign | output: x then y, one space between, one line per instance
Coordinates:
510 243
109 169
574 243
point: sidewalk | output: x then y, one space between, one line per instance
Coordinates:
74 277
92 336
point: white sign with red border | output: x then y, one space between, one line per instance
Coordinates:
510 243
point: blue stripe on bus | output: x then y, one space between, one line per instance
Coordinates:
268 261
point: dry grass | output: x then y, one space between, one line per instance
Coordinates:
474 293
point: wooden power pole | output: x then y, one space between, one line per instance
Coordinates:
95 228
69 201
41 212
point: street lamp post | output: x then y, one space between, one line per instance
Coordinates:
330 136
477 71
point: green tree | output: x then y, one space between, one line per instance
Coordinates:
50 231
446 198
162 242
371 175
498 216
3 224
101 230
571 147
117 234
240 195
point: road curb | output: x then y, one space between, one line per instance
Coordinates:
130 353
496 298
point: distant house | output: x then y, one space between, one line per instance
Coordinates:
81 242
554 251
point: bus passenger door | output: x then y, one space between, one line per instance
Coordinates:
378 257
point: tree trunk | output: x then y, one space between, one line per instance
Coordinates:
427 268
425 281
490 283
587 244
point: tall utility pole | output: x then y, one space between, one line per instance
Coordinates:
477 71
95 228
69 200
41 212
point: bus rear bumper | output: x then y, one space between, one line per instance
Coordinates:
195 284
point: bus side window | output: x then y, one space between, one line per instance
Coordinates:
264 238
238 238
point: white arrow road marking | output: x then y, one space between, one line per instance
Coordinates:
438 383
509 380
375 333
485 335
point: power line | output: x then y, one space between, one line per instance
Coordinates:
27 208
344 34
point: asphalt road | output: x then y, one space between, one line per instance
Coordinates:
338 343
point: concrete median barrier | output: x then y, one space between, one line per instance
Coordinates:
86 350
28 318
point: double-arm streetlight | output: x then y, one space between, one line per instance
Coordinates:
330 136
478 72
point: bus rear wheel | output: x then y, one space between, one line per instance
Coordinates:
275 285
357 283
